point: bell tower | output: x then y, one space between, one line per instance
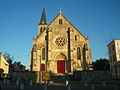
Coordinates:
42 25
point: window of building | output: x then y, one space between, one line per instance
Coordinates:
43 54
60 41
113 48
41 29
78 53
75 37
114 57
60 21
44 28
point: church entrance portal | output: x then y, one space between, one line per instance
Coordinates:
61 66
42 67
60 61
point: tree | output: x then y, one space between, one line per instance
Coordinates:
101 64
8 57
17 66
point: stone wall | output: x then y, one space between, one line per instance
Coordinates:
93 76
24 76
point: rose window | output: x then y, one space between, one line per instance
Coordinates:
60 41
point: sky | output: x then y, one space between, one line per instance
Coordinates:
97 19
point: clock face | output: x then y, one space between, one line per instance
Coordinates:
60 41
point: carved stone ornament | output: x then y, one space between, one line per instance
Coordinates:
60 41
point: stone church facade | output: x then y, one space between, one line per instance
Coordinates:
59 47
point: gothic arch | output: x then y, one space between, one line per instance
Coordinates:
60 56
60 62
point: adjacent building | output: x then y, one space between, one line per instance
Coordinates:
114 56
4 64
60 47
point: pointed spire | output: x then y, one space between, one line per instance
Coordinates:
43 18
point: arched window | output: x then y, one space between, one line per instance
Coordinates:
60 21
43 54
78 53
41 29
44 28
75 37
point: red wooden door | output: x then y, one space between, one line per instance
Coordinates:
61 66
42 67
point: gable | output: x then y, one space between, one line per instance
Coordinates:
59 28
55 24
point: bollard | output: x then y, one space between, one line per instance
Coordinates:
17 82
66 83
116 88
86 83
93 87
69 87
104 84
4 81
8 82
45 86
30 83
21 86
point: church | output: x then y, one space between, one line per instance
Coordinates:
59 47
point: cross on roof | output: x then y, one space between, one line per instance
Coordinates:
60 10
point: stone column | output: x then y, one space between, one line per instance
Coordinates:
17 82
30 82
4 81
8 81
45 86
21 86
